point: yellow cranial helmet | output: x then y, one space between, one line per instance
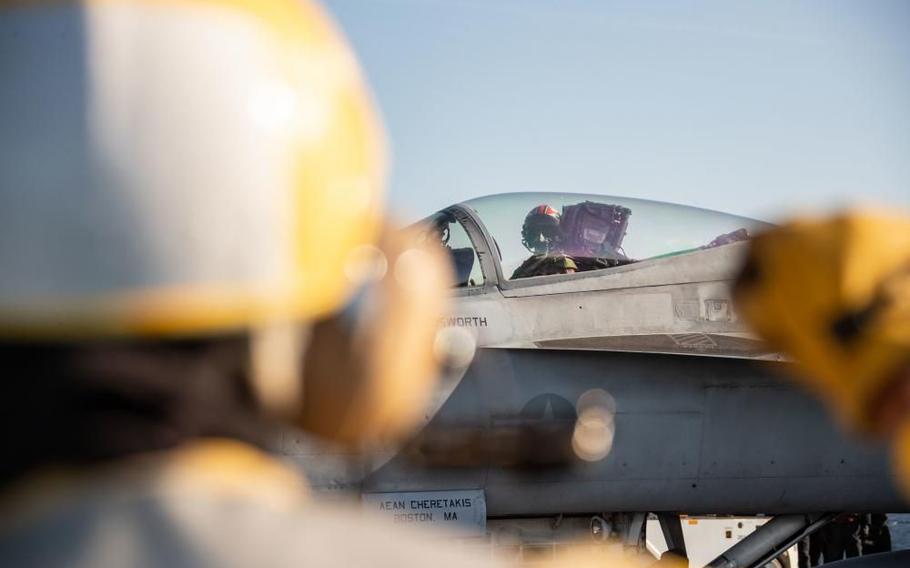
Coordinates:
835 294
177 167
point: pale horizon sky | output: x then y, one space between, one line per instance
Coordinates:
758 109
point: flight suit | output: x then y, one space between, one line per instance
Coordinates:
544 265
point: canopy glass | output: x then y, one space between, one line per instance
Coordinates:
598 231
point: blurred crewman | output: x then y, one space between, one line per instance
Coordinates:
191 242
834 293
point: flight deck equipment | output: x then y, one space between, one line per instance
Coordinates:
770 540
594 230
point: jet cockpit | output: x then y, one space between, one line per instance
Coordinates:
488 237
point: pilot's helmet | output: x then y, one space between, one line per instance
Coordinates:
540 231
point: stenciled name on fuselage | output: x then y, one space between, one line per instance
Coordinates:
467 321
426 504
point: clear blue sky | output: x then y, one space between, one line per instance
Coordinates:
755 108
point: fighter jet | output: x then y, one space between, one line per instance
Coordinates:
609 377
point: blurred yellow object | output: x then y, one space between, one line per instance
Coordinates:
178 168
368 376
581 555
834 293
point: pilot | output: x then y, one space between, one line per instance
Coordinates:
164 295
540 235
834 293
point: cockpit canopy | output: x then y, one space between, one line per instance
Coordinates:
594 232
